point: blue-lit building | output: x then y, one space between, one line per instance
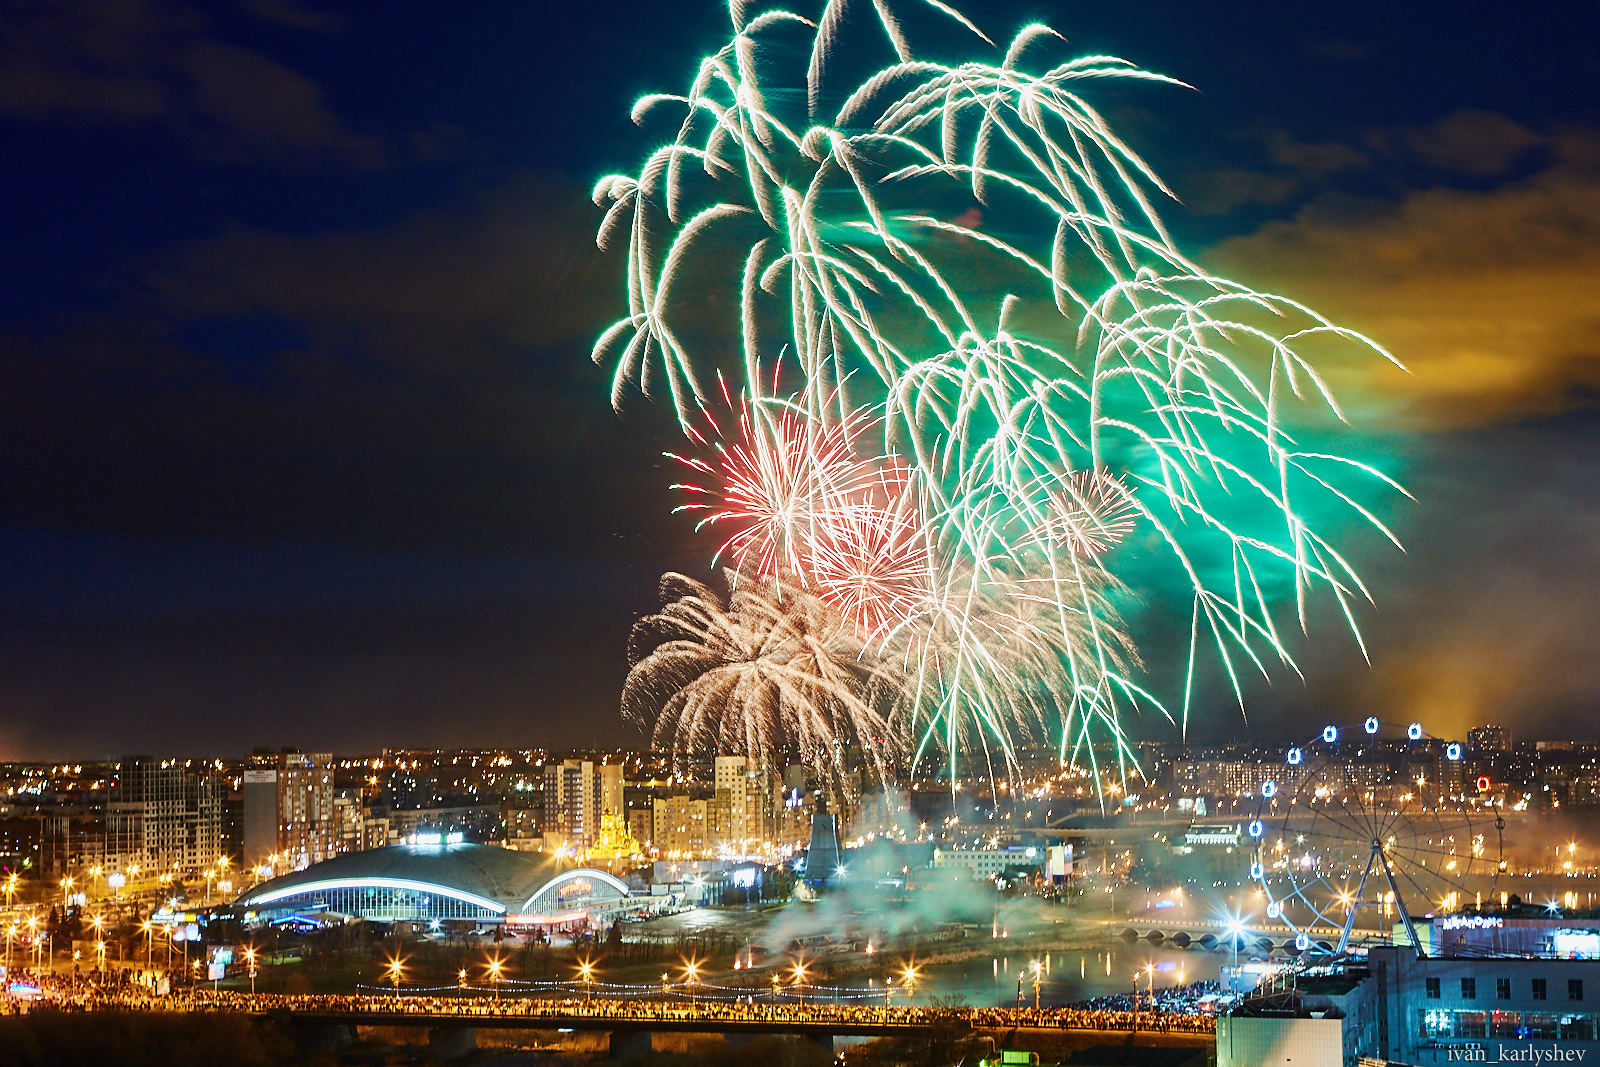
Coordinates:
448 881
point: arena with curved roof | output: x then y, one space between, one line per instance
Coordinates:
427 883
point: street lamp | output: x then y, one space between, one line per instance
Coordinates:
799 981
909 977
396 970
494 975
1037 973
250 961
1235 933
691 972
66 890
586 973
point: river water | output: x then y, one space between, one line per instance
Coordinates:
1075 963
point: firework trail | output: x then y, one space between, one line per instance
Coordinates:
988 417
770 668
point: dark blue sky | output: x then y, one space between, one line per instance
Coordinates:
302 444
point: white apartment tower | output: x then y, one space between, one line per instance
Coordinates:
577 795
164 814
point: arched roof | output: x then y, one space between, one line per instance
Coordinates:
483 874
584 874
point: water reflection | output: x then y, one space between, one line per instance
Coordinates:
1065 977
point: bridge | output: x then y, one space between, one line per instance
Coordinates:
630 1030
453 1021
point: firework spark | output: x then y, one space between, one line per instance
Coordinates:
770 668
1036 392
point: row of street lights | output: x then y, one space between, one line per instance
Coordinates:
494 970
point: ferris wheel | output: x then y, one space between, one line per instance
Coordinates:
1367 825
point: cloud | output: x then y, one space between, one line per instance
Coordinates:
515 266
1487 295
164 64
424 382
1477 143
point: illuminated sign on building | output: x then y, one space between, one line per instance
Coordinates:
1471 922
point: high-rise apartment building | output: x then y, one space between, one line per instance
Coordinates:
745 799
289 809
164 814
680 826
1489 738
578 794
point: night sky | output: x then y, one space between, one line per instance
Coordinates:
302 444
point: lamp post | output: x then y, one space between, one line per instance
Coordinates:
494 975
1037 978
909 976
66 890
1235 932
800 980
250 961
396 968
691 972
11 934
586 973
99 940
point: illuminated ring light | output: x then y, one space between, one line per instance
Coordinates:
372 882
571 876
1317 815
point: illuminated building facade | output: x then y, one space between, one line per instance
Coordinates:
289 809
164 814
444 880
577 795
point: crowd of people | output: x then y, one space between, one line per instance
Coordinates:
108 992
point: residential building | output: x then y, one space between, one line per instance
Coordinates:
164 814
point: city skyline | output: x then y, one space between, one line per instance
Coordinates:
307 449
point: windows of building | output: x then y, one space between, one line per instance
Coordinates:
1502 989
1469 989
1574 988
1433 989
1538 989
